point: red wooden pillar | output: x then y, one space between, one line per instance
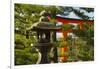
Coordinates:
81 25
64 48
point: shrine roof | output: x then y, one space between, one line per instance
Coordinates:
72 15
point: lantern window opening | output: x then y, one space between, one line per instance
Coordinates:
43 36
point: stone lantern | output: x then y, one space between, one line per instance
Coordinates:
45 35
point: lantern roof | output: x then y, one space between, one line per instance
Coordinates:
44 26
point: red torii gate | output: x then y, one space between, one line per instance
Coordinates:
67 21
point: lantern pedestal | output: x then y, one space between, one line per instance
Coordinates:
44 48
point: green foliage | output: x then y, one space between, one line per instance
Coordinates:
21 40
84 44
85 51
23 57
86 34
67 26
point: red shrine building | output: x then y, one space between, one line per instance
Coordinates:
74 20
